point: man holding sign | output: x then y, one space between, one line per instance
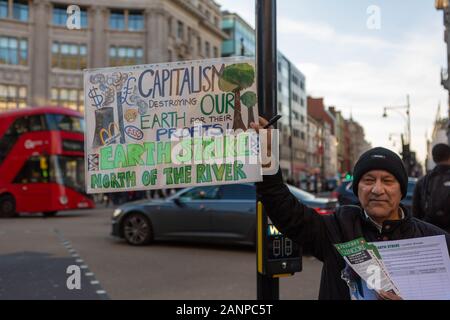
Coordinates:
380 182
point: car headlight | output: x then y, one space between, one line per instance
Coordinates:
117 213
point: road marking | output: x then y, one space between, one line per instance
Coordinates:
74 254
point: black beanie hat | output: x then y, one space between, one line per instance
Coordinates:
380 159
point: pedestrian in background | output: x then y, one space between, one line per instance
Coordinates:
431 199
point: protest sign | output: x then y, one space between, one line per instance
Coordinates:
171 125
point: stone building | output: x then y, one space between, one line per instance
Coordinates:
41 59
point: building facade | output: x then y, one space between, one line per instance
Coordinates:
438 135
328 149
358 144
343 160
241 36
291 96
41 59
293 124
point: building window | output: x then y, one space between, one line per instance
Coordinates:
216 21
199 45
3 9
302 135
294 79
302 85
296 133
117 20
59 17
69 56
295 97
280 106
207 49
296 116
280 88
189 35
19 9
135 21
13 50
124 56
216 52
302 119
302 102
70 98
12 97
180 30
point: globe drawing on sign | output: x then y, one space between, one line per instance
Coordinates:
142 107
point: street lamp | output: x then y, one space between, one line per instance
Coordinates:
406 145
407 117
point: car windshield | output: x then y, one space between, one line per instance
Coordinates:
300 194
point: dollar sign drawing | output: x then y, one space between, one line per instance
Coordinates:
97 98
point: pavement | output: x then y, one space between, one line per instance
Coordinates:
35 254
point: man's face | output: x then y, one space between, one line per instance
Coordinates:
379 193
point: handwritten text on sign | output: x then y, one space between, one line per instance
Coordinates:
171 125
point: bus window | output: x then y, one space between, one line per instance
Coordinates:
18 127
26 124
69 171
35 170
63 122
36 123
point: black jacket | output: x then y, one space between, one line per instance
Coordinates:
317 233
418 203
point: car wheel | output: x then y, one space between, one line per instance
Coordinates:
49 214
137 229
7 206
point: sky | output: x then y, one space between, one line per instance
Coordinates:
360 64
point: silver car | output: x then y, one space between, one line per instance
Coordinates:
224 214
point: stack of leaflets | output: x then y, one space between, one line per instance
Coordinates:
365 260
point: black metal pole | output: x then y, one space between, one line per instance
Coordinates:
266 55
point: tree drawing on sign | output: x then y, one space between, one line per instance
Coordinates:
236 78
248 99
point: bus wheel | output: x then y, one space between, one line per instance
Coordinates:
49 214
137 229
7 206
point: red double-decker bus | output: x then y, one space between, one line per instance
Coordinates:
42 161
